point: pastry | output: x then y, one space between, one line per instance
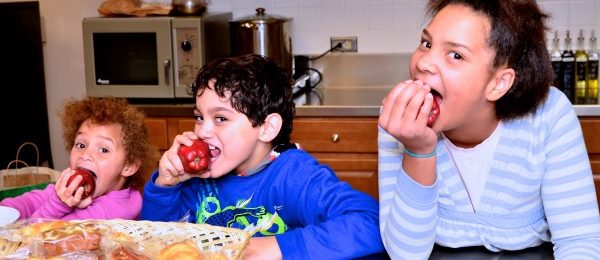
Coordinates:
38 228
76 237
126 253
180 251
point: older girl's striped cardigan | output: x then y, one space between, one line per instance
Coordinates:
539 188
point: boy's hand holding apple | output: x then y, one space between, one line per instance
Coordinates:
188 157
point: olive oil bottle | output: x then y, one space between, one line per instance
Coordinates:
592 76
567 70
556 58
581 70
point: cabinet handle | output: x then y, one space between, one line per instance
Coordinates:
335 138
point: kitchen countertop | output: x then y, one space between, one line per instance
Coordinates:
587 110
168 110
347 101
185 110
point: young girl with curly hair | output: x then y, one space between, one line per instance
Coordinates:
107 136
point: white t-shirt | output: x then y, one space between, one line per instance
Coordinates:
474 163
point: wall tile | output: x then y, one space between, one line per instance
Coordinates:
356 2
267 4
405 16
356 17
333 17
243 4
381 16
310 3
309 18
339 3
581 13
286 3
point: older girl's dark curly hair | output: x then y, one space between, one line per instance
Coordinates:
518 37
258 87
113 110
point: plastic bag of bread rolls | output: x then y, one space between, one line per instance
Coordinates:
77 237
119 239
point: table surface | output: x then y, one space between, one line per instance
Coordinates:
542 252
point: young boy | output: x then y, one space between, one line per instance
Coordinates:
244 111
108 137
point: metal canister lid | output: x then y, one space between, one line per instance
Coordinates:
262 17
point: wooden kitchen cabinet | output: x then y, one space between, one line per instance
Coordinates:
346 144
162 130
591 130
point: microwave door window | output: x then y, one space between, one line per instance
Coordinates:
125 58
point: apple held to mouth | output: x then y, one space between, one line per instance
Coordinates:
434 113
195 158
88 181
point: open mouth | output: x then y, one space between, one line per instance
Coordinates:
435 108
214 152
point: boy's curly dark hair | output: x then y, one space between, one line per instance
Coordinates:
258 87
113 110
518 36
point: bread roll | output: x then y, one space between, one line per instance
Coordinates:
125 253
38 228
76 237
181 251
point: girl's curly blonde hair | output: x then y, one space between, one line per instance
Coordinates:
113 110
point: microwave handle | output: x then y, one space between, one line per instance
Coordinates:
167 67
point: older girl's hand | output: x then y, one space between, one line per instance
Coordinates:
404 115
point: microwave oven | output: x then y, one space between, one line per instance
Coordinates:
150 57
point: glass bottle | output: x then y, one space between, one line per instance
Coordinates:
556 58
581 59
592 76
567 70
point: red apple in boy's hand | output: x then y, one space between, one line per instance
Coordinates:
195 158
87 181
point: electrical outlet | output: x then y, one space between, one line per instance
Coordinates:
349 44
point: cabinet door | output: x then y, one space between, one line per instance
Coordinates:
352 135
157 132
347 145
185 125
162 131
591 128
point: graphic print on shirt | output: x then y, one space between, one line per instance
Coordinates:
211 211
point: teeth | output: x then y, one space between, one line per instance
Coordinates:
214 151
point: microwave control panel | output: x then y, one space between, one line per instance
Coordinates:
189 55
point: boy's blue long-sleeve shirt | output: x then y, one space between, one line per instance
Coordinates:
317 216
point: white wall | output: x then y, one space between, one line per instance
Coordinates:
382 26
386 26
63 62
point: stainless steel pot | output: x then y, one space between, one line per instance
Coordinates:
188 7
267 35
